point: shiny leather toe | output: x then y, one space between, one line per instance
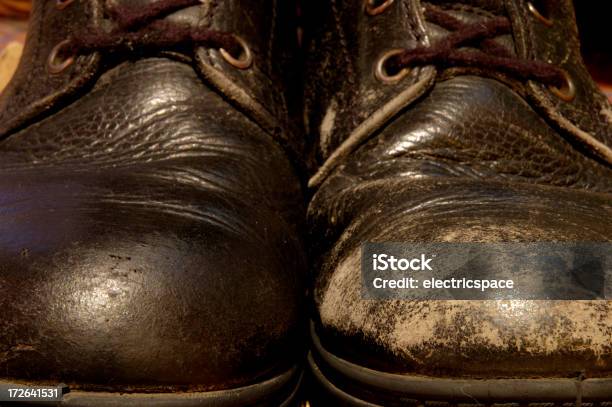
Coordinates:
149 239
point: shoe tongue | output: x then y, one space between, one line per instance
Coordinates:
469 12
191 15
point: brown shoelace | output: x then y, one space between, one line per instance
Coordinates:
144 28
490 54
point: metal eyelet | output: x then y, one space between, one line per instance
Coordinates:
533 10
567 93
56 66
381 71
246 59
372 8
62 4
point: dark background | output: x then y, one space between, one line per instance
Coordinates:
594 22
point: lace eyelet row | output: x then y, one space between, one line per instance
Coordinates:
57 64
567 92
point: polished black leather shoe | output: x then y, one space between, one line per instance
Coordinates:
150 213
454 121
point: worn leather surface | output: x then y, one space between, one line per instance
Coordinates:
475 159
149 238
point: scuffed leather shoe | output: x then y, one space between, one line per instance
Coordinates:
454 121
149 212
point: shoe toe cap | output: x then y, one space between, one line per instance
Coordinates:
104 291
483 339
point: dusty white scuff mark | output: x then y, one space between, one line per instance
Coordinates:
538 327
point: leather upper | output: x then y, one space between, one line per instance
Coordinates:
348 105
150 226
460 155
260 91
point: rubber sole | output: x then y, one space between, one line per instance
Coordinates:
280 391
335 381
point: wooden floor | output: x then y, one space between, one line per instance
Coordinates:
9 58
12 36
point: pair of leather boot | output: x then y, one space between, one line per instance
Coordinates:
161 166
